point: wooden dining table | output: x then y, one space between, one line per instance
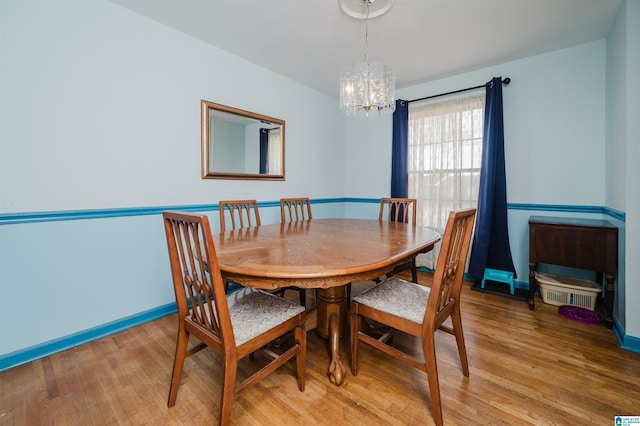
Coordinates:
325 254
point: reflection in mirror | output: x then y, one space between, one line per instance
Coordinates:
238 144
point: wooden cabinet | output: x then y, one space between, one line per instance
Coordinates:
577 243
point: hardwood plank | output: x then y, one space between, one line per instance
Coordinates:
525 368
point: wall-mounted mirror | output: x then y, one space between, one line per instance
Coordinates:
238 144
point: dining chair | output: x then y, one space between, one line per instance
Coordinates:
418 310
396 210
245 214
234 325
400 210
241 213
295 209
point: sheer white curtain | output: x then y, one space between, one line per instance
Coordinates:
274 166
444 159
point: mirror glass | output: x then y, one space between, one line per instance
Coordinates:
238 144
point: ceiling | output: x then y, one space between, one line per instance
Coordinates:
422 40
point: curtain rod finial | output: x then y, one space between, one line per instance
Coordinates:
506 81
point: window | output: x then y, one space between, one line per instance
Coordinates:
444 159
274 165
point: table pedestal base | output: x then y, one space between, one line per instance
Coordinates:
332 323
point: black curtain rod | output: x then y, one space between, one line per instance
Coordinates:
504 81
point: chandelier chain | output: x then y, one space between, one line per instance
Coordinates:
366 34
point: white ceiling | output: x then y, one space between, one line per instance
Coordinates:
422 40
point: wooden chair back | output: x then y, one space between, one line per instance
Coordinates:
241 214
295 209
449 272
398 210
197 281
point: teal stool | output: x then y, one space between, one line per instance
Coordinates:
499 276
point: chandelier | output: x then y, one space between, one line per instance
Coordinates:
367 88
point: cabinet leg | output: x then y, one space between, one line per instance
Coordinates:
610 294
532 286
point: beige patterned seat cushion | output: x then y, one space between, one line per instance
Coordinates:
254 312
397 297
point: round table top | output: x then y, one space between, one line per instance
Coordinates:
318 253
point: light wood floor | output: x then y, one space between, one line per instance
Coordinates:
525 368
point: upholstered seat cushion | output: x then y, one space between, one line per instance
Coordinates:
397 297
254 311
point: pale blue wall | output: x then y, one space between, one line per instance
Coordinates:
616 135
622 152
616 115
97 117
628 132
554 115
100 109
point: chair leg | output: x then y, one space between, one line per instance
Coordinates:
178 364
414 271
429 348
355 328
301 358
456 321
228 390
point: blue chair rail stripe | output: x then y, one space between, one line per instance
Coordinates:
16 218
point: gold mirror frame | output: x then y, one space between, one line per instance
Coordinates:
209 112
